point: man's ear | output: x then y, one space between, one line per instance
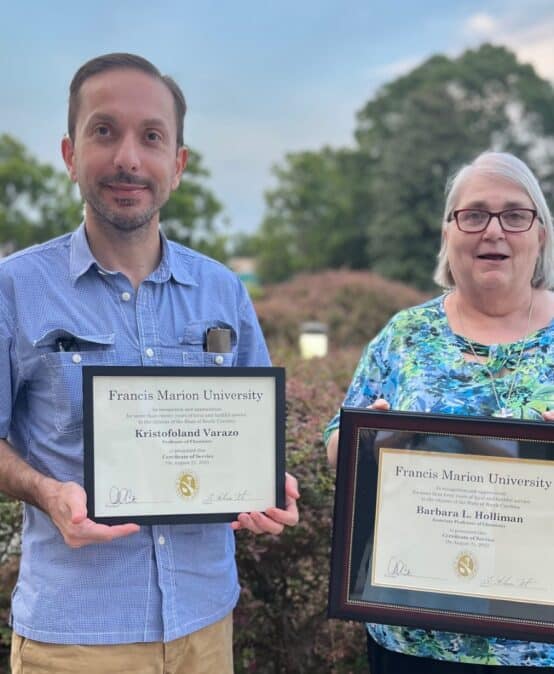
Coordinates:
68 157
180 164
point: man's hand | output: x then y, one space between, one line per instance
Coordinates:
66 504
274 520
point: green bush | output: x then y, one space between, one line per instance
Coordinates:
10 521
280 623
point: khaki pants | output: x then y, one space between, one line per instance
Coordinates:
208 651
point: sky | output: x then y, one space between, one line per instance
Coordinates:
261 78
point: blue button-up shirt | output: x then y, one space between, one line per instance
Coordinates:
165 581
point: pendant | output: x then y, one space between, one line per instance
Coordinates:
503 413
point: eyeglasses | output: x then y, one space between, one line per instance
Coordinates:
475 220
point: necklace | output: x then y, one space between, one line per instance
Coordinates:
503 411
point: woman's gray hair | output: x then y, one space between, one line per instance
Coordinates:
510 167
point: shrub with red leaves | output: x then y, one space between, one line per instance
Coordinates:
280 623
354 304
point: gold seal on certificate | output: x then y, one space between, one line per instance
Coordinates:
466 565
170 445
187 485
445 522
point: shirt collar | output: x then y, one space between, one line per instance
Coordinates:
81 260
171 266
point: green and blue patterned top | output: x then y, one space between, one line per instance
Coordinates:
418 364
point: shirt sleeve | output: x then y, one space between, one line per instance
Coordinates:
367 383
6 378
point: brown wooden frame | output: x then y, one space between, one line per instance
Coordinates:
354 519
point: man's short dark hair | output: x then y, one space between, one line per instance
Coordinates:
118 61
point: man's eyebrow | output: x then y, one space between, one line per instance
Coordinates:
156 122
102 117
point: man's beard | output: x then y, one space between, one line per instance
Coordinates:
121 221
118 218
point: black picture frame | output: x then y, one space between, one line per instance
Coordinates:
365 436
269 458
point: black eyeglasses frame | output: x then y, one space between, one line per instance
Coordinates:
498 214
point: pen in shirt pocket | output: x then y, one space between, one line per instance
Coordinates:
66 344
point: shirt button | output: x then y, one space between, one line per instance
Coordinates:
149 352
125 296
219 359
161 540
76 358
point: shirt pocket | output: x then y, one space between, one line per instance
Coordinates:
65 371
193 342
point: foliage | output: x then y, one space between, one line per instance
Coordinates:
311 222
190 215
10 522
36 201
280 624
379 205
353 304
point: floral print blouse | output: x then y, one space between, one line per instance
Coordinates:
418 364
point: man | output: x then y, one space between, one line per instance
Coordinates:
91 597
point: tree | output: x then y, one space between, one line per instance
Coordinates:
420 128
380 204
37 202
190 215
312 221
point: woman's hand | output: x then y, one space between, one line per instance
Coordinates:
379 404
548 415
333 444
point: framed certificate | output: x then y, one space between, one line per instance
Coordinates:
177 445
445 522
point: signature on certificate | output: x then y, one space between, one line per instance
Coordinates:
397 567
121 496
508 581
226 496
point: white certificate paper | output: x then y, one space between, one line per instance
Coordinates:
178 445
464 524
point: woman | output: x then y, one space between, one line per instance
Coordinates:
485 347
